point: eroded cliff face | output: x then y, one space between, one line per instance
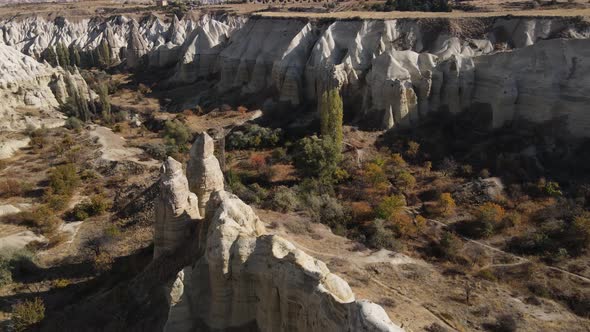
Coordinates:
390 72
243 278
31 91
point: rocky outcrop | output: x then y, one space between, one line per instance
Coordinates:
243 278
176 208
27 85
203 170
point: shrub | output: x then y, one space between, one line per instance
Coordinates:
390 207
580 230
63 179
279 155
96 205
551 188
506 323
448 166
316 157
103 262
375 175
176 133
419 5
253 137
427 166
405 181
284 200
74 123
257 162
12 188
513 219
42 218
327 210
489 213
449 246
156 150
27 313
446 205
413 149
381 237
397 160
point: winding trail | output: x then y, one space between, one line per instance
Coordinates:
520 259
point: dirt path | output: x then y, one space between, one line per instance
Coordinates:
114 149
520 259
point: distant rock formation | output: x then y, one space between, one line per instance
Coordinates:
392 72
243 278
26 83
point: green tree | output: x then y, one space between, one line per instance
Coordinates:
63 55
104 53
331 114
105 101
316 157
75 59
50 56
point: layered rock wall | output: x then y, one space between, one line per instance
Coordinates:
390 72
244 279
31 91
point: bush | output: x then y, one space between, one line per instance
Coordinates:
390 207
63 179
327 210
380 236
27 313
156 150
375 175
405 181
449 246
97 205
284 199
413 149
103 262
12 188
446 205
42 218
176 133
505 323
489 213
397 160
253 137
316 157
580 231
74 123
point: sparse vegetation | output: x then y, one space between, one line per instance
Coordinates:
27 313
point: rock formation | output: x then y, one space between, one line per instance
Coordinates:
242 277
176 209
26 84
392 71
203 170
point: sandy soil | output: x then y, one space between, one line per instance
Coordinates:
114 148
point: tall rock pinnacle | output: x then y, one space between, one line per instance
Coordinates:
176 209
203 171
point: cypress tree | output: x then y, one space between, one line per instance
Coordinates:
62 55
50 56
331 114
105 103
75 59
